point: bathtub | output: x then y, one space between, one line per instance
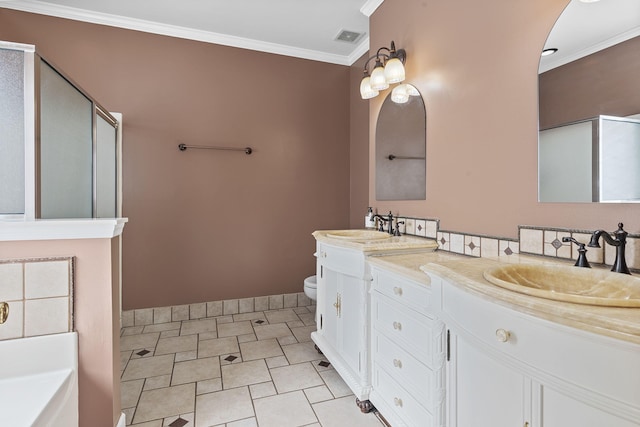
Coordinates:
39 381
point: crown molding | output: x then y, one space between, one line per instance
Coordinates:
549 65
99 18
370 6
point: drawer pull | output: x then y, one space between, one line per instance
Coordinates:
503 335
397 363
397 326
397 401
397 290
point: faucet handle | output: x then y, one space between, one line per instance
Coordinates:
582 253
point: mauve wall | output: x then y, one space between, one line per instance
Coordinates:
476 65
211 225
602 83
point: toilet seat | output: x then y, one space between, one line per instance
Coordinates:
311 287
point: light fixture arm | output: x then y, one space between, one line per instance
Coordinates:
401 54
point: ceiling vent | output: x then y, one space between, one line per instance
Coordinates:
349 36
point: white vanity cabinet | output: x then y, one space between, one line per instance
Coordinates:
508 368
342 316
407 352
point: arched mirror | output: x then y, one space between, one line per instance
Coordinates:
401 148
589 104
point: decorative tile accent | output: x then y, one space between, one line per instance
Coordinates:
179 422
472 246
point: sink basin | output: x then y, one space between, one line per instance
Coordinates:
570 284
358 235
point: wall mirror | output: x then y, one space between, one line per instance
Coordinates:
589 140
401 148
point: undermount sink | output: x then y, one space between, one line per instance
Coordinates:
569 284
358 235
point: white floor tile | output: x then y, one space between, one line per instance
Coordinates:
344 412
223 407
284 410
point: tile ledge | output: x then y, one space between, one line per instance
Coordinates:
61 229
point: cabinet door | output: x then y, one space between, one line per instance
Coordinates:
327 304
353 324
481 390
557 409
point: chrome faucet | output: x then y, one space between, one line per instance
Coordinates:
389 220
620 264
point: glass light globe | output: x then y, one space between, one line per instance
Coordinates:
399 94
394 71
366 92
378 80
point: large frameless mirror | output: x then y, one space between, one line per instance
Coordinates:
589 105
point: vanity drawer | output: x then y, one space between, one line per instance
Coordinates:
403 291
390 394
406 369
414 332
342 260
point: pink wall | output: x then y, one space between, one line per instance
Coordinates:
358 147
476 65
206 225
96 319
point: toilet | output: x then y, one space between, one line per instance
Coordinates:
311 287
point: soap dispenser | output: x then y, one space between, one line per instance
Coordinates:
369 221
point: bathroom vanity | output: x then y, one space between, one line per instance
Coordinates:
343 306
428 341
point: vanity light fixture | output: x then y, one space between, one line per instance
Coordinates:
549 51
388 69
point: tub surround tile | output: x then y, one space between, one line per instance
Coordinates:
46 316
11 278
14 326
39 293
46 279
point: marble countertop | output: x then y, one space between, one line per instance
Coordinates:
620 323
393 244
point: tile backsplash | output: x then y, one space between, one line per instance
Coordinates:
39 293
534 240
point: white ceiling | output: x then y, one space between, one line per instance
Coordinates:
299 28
308 28
585 28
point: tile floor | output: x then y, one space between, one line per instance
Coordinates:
243 370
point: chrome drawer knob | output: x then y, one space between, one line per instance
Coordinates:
397 363
503 335
397 401
397 290
397 326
